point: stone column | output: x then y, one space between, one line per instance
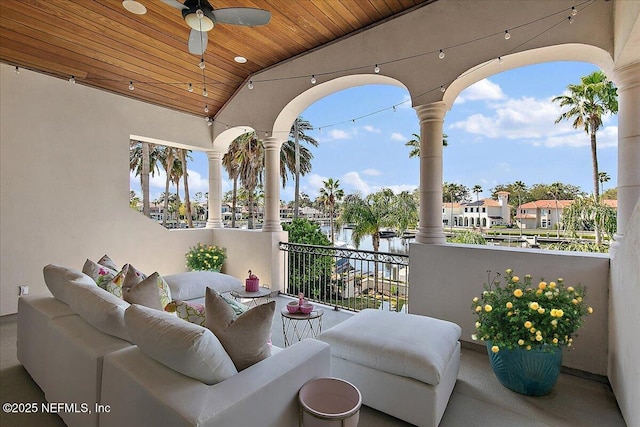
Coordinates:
272 184
214 219
431 122
627 79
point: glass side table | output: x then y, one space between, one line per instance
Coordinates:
298 326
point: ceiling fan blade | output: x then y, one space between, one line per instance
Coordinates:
247 16
197 42
175 3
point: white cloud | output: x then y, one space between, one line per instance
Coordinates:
483 90
524 118
371 172
607 137
371 129
339 134
399 188
396 136
353 179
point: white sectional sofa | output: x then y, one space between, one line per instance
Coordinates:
77 348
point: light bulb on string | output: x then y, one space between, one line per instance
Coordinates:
190 87
570 18
206 108
250 85
72 80
394 108
442 89
574 11
313 79
441 54
17 70
500 60
131 87
376 69
319 130
204 92
202 65
507 36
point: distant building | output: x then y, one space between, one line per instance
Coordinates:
547 213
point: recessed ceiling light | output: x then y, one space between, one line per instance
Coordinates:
134 7
240 59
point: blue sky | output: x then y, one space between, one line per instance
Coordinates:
500 130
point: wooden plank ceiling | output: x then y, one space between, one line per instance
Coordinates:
104 46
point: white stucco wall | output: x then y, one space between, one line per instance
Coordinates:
444 289
64 180
624 322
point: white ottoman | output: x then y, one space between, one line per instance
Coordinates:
404 365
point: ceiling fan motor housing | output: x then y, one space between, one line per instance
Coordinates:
206 23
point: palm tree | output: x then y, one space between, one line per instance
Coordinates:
330 194
143 159
233 169
414 144
375 212
184 154
603 177
519 187
301 157
250 160
168 158
588 101
478 189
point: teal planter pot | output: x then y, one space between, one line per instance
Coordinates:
530 372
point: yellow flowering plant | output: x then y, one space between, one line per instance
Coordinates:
206 257
523 315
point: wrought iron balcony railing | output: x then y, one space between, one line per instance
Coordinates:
347 278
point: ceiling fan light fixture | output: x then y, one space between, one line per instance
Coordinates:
134 7
199 24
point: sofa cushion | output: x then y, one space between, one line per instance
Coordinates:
127 277
407 345
190 311
182 346
99 308
99 273
145 293
58 280
246 337
108 262
192 284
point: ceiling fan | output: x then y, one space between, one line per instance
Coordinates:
202 17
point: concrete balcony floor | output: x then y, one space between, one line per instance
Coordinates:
477 400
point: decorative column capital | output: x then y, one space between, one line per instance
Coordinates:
433 111
627 76
272 143
214 155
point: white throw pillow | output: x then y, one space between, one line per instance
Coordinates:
182 346
99 308
192 284
58 279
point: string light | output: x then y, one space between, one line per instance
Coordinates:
72 80
202 65
204 92
500 60
574 11
206 108
442 89
17 70
130 85
507 36
313 79
441 54
376 69
250 85
190 87
570 18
